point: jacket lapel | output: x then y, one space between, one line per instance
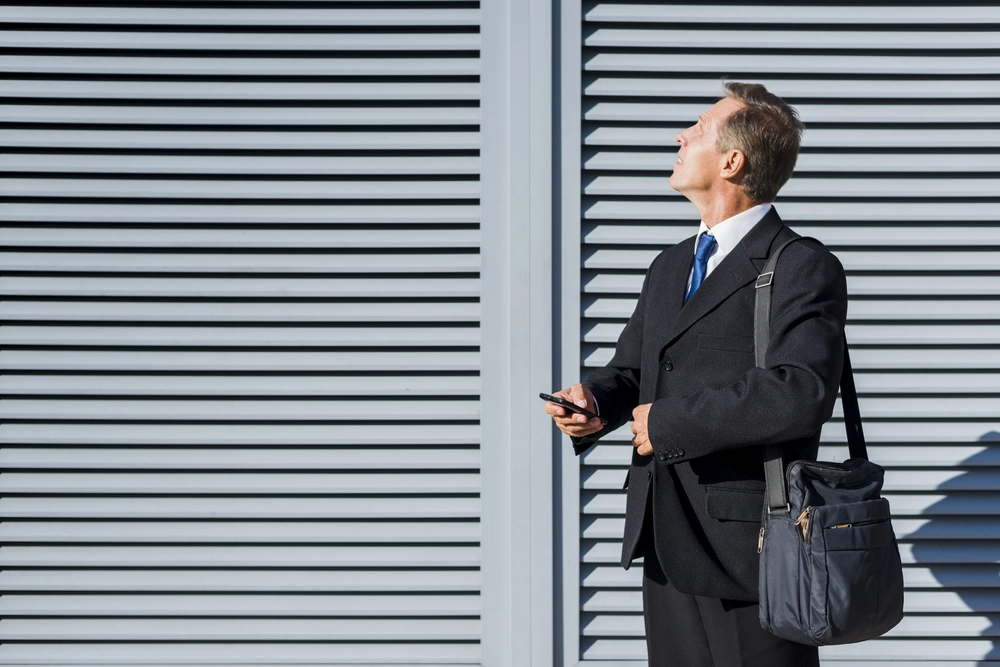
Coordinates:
733 272
670 299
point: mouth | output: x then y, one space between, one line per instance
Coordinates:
679 160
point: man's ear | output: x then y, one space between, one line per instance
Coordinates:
733 165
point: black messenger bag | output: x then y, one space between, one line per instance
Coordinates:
829 564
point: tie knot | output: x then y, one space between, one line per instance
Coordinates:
705 245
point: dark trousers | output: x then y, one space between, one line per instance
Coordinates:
684 630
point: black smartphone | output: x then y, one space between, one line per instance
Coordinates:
569 405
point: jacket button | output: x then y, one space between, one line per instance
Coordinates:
663 457
668 366
680 452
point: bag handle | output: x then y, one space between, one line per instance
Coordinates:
774 469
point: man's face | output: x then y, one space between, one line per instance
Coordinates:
698 163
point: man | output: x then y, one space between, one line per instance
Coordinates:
684 371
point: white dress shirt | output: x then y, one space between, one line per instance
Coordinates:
728 235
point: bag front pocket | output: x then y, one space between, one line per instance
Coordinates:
851 556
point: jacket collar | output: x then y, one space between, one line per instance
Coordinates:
733 272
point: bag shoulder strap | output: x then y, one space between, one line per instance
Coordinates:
774 469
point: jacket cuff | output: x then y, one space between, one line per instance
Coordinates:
666 447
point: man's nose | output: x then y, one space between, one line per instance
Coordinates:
680 138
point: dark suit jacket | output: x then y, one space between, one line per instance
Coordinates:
712 409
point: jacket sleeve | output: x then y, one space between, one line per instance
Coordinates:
794 395
616 386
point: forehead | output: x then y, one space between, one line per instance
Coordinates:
720 110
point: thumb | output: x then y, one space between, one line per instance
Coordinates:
579 397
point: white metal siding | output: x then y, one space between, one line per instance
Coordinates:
899 175
241 334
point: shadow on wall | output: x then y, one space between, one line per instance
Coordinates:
953 588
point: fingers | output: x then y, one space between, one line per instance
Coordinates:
573 423
577 431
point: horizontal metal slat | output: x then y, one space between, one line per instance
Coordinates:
240 189
802 63
238 16
101 654
234 361
800 38
795 14
201 313
261 385
221 66
284 533
273 582
188 483
242 214
238 90
793 89
258 41
916 650
398 435
238 557
327 262
244 336
14 458
424 165
226 630
244 140
270 239
375 286
240 508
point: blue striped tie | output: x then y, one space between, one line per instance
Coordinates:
705 245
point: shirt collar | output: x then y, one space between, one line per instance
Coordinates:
731 231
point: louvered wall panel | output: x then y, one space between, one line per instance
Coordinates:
898 176
241 334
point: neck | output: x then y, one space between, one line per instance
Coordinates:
716 210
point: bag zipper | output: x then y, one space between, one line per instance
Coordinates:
803 522
860 523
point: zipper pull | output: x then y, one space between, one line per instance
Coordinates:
844 525
760 540
803 521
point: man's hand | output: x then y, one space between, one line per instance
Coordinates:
640 439
573 423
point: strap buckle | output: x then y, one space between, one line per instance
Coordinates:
762 277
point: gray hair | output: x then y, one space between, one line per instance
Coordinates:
768 132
